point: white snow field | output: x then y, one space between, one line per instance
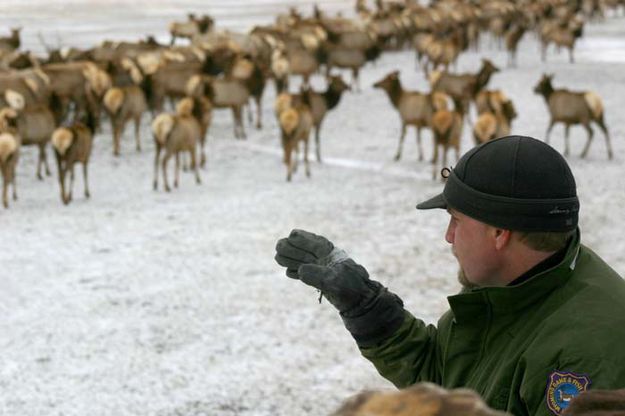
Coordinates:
138 302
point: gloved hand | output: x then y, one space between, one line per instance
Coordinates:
370 312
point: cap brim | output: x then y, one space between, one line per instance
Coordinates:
437 202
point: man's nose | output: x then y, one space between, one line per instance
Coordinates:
449 235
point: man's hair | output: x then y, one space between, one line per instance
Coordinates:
545 241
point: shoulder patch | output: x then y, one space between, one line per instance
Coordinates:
562 387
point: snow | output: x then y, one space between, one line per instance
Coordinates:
138 302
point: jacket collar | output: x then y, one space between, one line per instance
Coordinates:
479 302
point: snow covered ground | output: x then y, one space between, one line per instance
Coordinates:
145 303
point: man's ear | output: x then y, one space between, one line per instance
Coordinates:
502 238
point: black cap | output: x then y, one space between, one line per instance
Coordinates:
515 182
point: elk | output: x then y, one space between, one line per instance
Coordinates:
12 42
447 131
321 103
250 73
72 144
496 112
222 93
570 108
562 34
176 133
512 38
35 125
463 86
423 399
123 104
9 152
296 122
415 108
193 26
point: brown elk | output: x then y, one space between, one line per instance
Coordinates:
193 26
562 34
447 131
296 123
495 115
9 152
176 133
463 86
422 399
573 107
12 42
415 108
123 104
321 103
73 145
35 125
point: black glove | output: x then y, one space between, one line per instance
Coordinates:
370 312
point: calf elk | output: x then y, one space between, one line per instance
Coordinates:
571 107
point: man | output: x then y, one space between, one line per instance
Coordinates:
541 317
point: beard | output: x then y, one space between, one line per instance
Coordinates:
464 281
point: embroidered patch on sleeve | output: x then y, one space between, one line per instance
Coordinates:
562 387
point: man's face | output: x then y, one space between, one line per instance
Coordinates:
473 246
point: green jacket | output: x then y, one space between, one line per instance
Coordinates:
514 345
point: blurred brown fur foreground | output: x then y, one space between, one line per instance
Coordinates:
427 399
423 399
598 403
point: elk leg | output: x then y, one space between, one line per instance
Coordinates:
317 143
156 157
71 183
604 129
549 127
196 168
401 141
13 183
61 179
116 138
355 79
306 165
44 156
39 163
566 139
434 160
5 186
445 149
288 160
164 166
177 169
137 128
250 116
590 136
85 180
259 108
419 143
240 122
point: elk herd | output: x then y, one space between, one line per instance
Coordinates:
63 98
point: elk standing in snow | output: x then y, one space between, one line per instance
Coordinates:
572 107
415 108
176 133
73 145
9 152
